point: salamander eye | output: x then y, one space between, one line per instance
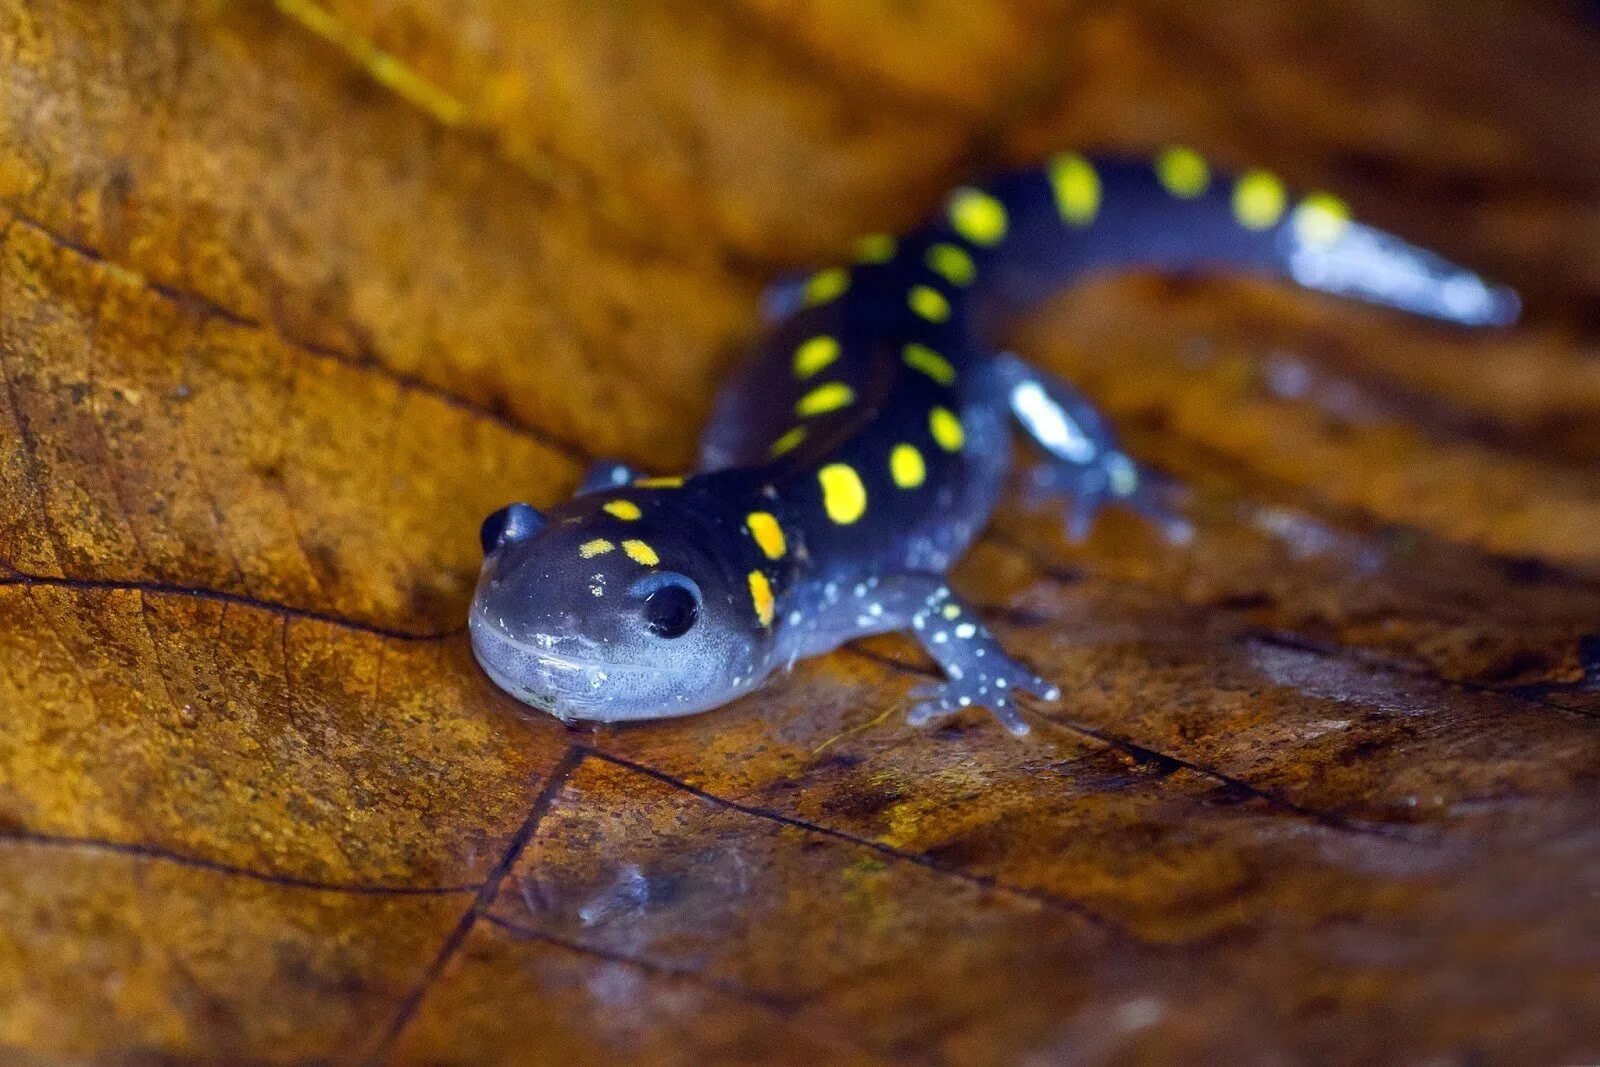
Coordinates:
670 611
670 603
516 522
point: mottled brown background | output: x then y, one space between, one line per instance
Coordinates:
292 294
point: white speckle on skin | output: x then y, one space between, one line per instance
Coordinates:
875 609
964 701
966 630
794 618
940 638
955 671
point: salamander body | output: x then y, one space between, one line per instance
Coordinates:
862 449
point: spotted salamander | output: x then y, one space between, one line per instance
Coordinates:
860 453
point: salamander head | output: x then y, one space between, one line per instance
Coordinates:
613 606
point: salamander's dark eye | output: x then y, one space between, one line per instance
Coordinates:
518 522
670 610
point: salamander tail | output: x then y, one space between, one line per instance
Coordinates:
1034 231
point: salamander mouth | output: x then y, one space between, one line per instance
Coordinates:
568 687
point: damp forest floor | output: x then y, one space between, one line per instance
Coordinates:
292 294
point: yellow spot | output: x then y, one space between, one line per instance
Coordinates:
950 611
626 510
929 303
768 534
906 466
665 482
761 597
829 396
824 285
977 216
1077 188
946 429
1320 218
641 553
844 498
929 362
1183 172
951 263
1258 200
597 547
788 442
875 248
814 354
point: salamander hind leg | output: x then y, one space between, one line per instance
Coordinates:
978 672
1084 465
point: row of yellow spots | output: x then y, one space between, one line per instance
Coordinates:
817 353
1259 199
636 550
844 495
950 262
627 511
926 301
1259 202
768 536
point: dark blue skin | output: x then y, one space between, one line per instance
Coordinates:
645 601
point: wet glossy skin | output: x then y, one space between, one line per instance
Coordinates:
859 454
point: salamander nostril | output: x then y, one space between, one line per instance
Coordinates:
513 523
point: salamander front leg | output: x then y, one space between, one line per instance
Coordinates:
978 671
1086 465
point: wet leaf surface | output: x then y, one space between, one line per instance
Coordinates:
292 294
